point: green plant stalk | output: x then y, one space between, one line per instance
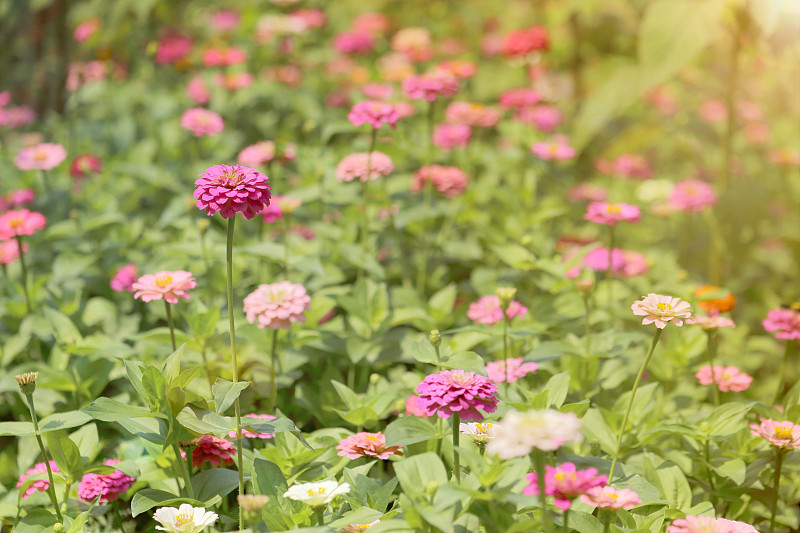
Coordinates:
587 332
319 511
235 363
65 498
710 475
456 418
51 490
630 402
115 506
184 468
712 354
784 366
505 345
273 355
24 274
776 486
539 466
607 521
610 273
365 197
566 520
171 325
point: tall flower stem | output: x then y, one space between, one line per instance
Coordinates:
65 498
184 468
235 363
607 522
319 512
566 520
784 366
273 356
456 419
610 273
285 245
365 197
630 403
171 325
775 487
51 489
587 332
539 466
24 274
712 354
505 345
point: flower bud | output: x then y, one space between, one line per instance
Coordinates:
431 488
203 224
252 505
58 527
435 338
27 382
505 294
584 287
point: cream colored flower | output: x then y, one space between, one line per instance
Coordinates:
184 519
318 493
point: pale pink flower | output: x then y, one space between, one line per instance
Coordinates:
233 81
414 43
785 323
612 213
20 222
42 485
749 111
449 136
412 409
784 434
250 434
492 45
271 213
371 22
86 29
780 156
404 109
487 310
661 310
564 482
355 166
231 190
107 486
692 196
626 263
225 20
726 378
287 204
5 98
374 113
43 156
124 278
16 117
587 192
708 524
394 67
201 122
713 111
354 42
711 322
497 372
553 150
257 155
471 114
359 528
214 450
277 305
610 498
430 86
224 57
450 181
457 392
626 165
166 284
757 133
546 118
378 91
9 251
518 99
460 69
366 444
16 198
311 18
663 100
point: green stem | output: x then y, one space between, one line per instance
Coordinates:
505 346
784 366
286 246
274 361
235 363
456 418
171 326
587 332
566 520
776 486
182 466
610 273
607 522
365 197
65 499
630 402
710 475
119 516
712 353
320 514
51 489
539 466
24 274
438 357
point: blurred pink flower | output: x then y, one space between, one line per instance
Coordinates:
16 117
9 251
556 149
486 310
257 155
374 113
371 22
492 45
430 86
546 118
166 284
216 451
565 482
233 81
612 213
355 166
16 198
271 213
225 20
785 323
626 165
224 57
450 181
661 310
86 29
459 68
5 98
757 133
779 156
312 18
201 122
711 322
359 528
124 278
20 222
354 42
610 498
367 445
587 192
250 434
516 370
471 114
277 305
708 524
414 43
41 485
749 111
198 91
525 41
726 378
107 486
172 49
44 156
378 91
449 136
663 100
412 409
457 392
231 190
626 263
713 111
692 196
85 165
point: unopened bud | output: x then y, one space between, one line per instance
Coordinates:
435 338
431 487
27 382
58 527
505 294
203 224
584 286
252 505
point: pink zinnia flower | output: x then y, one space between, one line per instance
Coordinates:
711 322
459 392
212 449
231 190
233 81
626 165
378 91
86 29
546 118
412 409
224 57
84 166
587 192
225 20
449 136
374 113
460 69
354 42
414 43
5 98
9 251
450 181
612 213
359 528
16 198
355 166
371 22
41 485
198 91
471 114
169 285
20 222
312 18
661 310
271 213
430 86
250 434
610 498
692 196
487 310
726 378
523 42
519 99
565 482
257 155
784 434
627 263
16 117
785 323
201 121
43 156
554 150
124 279
366 444
709 524
713 111
173 48
516 370
277 305
107 486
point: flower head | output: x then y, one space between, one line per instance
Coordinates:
726 378
714 300
525 41
124 278
450 181
169 285
709 524
86 29
184 519
430 86
9 251
42 484
449 136
355 166
413 409
316 494
250 434
487 310
198 91
479 432
366 444
565 482
557 149
277 305
610 498
358 528
459 68
457 392
784 434
173 48
202 122
627 263
354 42
107 486
374 113
21 222
224 57
612 213
711 322
471 114
212 449
519 99
257 154
16 198
692 196
661 310
516 369
85 165
414 43
519 433
232 190
587 192
43 156
785 323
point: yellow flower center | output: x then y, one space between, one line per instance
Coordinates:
362 527
16 222
664 307
483 427
40 156
163 281
372 437
614 496
561 476
183 519
317 492
614 209
783 432
552 148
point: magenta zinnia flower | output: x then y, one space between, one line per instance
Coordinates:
231 190
612 213
354 42
565 482
784 434
124 279
41 485
785 323
709 524
516 370
169 285
201 122
43 156
374 113
661 310
487 310
610 498
250 434
277 305
726 378
212 449
366 444
107 486
355 166
21 222
457 392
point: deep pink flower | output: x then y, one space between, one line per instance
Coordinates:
9 251
41 485
355 166
546 118
43 156
565 482
449 136
487 310
257 155
553 150
85 165
173 48
366 444
124 279
201 122
692 196
224 57
198 91
709 524
450 181
785 323
471 114
374 113
212 449
518 99
523 42
16 198
86 29
430 86
231 190
516 370
412 409
354 42
20 222
107 486
726 378
457 391
277 305
612 213
587 192
250 434
169 285
784 434
16 117
610 498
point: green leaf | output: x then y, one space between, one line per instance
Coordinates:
109 410
64 452
154 386
417 471
409 430
469 361
204 422
146 499
735 470
727 419
214 482
172 366
66 420
63 329
151 429
268 479
187 376
16 429
557 388
225 393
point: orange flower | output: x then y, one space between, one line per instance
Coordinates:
719 300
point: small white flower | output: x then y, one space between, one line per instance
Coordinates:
318 493
518 434
480 432
184 519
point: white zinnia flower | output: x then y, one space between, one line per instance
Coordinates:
184 519
480 432
318 493
519 433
